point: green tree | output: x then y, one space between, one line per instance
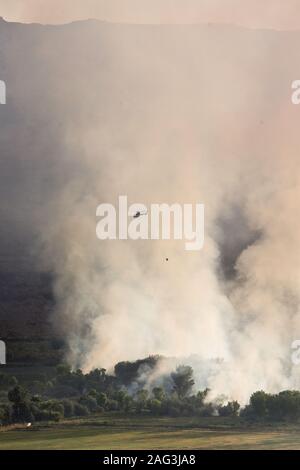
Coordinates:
68 408
5 414
90 402
124 400
231 409
63 369
12 381
21 405
17 395
183 380
141 399
127 372
155 406
102 399
158 393
258 402
80 410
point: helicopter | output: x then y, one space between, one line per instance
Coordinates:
138 214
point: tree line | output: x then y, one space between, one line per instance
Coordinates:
69 393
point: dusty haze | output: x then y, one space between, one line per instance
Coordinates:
161 114
271 14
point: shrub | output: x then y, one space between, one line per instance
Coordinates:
231 409
158 393
63 369
5 414
102 399
183 380
127 372
89 402
68 408
22 412
80 410
112 405
47 415
21 409
155 406
54 408
12 381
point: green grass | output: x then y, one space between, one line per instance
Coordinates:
110 432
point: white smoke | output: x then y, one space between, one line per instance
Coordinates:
178 135
182 114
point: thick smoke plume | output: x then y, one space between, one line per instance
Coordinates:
169 114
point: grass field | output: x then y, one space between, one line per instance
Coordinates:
115 432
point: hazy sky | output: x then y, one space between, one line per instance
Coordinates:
275 14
